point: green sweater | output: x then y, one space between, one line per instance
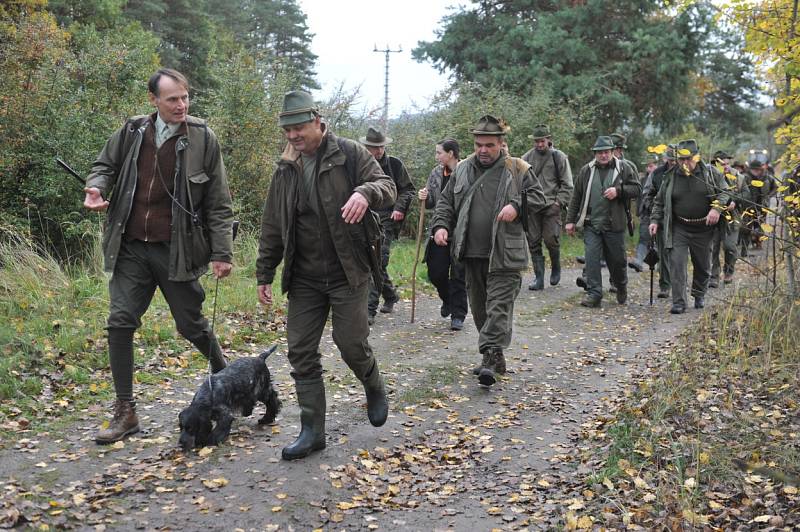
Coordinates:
717 189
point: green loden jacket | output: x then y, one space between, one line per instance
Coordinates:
627 181
277 242
201 185
553 170
509 246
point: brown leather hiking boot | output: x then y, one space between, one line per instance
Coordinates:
590 302
485 363
123 424
487 376
500 363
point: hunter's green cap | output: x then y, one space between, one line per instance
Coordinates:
298 107
375 137
489 125
619 140
603 143
755 163
687 148
540 131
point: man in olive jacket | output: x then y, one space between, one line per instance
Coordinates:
688 207
479 213
552 168
320 191
597 207
169 214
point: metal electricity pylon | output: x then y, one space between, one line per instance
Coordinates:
385 117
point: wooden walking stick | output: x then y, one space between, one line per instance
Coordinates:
420 228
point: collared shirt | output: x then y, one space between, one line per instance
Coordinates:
164 131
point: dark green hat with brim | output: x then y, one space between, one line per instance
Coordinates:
540 132
298 107
687 148
489 125
603 143
619 140
376 138
755 163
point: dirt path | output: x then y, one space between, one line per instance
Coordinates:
453 455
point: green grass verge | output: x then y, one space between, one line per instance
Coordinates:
718 408
52 336
430 385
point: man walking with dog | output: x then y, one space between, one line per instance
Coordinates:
480 216
321 190
162 181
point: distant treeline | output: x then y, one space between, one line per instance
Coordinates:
71 71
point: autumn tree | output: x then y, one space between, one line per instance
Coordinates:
61 94
772 33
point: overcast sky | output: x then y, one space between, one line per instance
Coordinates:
345 35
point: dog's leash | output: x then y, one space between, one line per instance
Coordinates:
235 230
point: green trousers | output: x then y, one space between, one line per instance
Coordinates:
544 225
491 299
688 244
611 246
141 268
310 302
726 238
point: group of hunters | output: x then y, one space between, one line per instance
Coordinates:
162 182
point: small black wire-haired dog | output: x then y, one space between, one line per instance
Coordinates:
235 389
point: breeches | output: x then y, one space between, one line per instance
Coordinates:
491 298
141 268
